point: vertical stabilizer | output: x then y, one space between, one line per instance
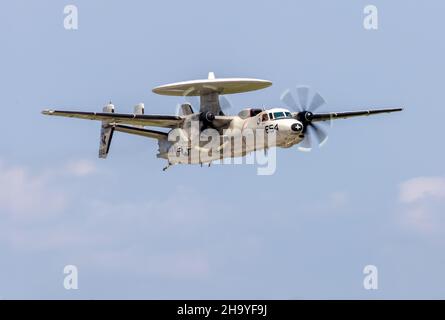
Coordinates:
106 133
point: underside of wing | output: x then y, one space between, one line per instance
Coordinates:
165 121
141 132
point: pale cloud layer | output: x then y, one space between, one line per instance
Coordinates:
423 205
422 187
23 194
36 215
81 167
339 199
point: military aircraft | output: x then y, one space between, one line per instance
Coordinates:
288 126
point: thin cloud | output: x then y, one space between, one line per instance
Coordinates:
25 195
423 204
419 188
81 168
87 240
339 199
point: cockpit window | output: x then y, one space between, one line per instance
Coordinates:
278 115
264 117
282 115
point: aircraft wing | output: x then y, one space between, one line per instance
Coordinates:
350 114
165 121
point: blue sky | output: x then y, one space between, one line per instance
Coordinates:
374 194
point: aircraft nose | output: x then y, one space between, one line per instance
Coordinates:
296 127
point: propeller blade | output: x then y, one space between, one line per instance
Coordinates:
193 100
178 111
303 93
190 98
288 99
224 103
321 135
305 145
317 102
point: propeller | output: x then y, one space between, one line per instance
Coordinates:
305 109
224 103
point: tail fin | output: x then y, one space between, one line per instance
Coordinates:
139 109
186 109
106 133
107 130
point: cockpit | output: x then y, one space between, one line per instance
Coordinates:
276 115
280 115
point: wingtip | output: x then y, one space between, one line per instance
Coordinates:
47 112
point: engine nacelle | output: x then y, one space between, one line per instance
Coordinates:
207 118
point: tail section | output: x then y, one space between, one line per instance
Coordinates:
186 109
106 133
139 109
108 128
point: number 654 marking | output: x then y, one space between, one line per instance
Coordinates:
271 127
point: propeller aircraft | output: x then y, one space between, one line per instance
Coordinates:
184 138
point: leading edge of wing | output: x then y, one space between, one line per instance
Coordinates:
166 121
351 114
